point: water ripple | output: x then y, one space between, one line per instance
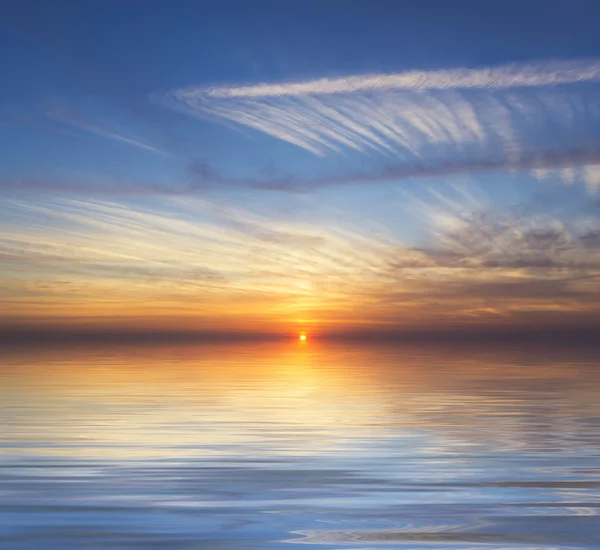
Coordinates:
266 446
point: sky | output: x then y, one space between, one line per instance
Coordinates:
281 167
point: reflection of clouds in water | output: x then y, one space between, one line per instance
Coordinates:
290 400
277 405
325 444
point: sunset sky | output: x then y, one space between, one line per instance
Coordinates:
278 167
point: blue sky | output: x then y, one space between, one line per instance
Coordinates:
321 140
82 74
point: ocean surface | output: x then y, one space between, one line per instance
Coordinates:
280 445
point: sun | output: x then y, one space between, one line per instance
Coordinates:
302 337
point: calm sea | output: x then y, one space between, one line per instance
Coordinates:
273 446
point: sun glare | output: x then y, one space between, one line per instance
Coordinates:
302 337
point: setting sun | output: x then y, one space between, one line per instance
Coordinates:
303 337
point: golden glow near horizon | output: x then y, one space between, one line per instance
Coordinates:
192 264
302 337
215 396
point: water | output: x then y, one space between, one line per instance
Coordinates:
272 446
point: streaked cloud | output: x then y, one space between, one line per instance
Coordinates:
504 76
196 263
139 259
79 121
568 166
420 122
536 117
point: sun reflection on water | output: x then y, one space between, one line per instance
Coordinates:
313 432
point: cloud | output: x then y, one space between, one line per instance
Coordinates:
545 160
191 258
201 176
504 76
77 120
463 114
385 128
530 237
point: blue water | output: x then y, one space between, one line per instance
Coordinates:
276 445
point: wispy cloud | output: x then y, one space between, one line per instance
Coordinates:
383 128
504 76
570 166
192 259
77 120
468 115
